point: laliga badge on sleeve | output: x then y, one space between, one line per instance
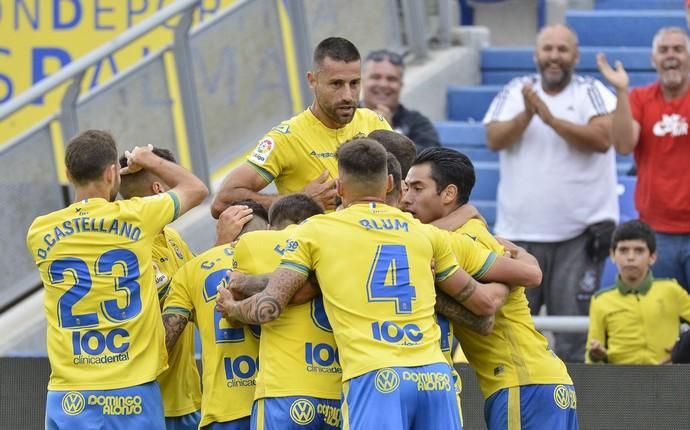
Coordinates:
263 150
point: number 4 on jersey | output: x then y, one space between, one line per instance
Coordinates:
389 278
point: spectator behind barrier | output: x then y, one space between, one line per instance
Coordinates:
637 320
652 122
557 193
381 85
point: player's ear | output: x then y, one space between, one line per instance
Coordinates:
389 184
450 194
311 78
157 187
652 258
338 187
110 173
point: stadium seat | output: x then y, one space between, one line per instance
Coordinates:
639 4
456 133
469 103
500 65
621 28
487 181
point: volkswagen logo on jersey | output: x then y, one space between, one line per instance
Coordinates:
302 411
73 403
387 380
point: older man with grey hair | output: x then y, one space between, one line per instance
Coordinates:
652 122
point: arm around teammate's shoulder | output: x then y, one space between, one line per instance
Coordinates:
243 182
481 299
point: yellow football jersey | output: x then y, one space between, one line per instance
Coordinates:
104 321
373 264
515 353
180 384
229 355
298 150
297 351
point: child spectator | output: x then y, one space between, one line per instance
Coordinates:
637 320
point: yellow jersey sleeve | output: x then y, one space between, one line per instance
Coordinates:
179 300
473 258
444 260
300 258
163 208
272 155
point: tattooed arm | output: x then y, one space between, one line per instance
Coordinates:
266 305
174 325
249 285
481 299
457 313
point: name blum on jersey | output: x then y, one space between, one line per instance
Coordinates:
263 150
95 348
384 224
321 358
84 225
240 371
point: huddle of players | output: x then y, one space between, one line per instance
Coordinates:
379 349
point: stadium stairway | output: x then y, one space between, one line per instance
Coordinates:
622 29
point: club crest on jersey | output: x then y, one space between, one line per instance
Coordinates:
302 411
73 403
263 150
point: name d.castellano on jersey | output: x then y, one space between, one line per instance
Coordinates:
84 225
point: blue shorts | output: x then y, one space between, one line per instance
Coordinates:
183 422
532 407
238 424
304 412
129 408
402 398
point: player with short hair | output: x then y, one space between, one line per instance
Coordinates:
180 383
378 290
105 340
523 381
299 154
229 354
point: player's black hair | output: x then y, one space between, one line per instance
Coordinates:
166 154
397 144
89 154
336 48
139 184
634 230
293 209
449 167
